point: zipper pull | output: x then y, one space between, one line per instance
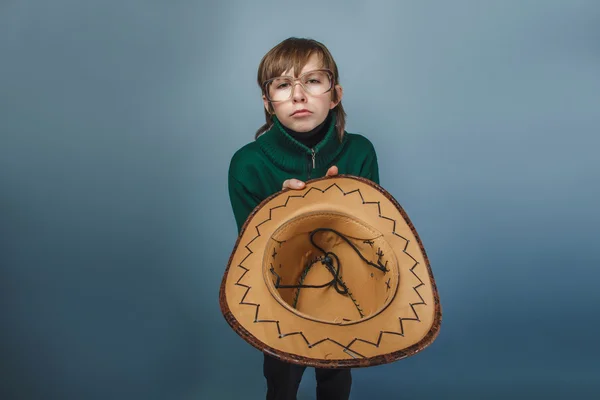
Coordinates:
313 157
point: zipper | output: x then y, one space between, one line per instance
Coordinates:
313 162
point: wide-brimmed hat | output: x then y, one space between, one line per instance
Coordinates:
331 276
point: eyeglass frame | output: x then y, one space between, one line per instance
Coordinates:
331 79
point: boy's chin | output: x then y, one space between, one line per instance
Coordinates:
302 126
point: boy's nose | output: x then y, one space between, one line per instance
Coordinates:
298 92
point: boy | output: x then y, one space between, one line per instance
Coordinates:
304 137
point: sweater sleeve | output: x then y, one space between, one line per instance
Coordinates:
370 167
242 201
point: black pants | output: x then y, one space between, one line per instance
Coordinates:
283 380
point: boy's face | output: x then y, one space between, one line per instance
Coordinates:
316 107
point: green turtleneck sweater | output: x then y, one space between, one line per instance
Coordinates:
258 169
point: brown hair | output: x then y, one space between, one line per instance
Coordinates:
294 53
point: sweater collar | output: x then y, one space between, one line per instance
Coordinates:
291 155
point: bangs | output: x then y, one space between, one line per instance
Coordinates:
290 60
292 56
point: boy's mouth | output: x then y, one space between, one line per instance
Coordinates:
301 112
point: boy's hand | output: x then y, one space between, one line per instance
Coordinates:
298 184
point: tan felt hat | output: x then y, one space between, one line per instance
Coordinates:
331 276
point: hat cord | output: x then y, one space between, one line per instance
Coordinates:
327 261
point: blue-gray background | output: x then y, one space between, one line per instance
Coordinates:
118 120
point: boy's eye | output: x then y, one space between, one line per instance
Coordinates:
282 85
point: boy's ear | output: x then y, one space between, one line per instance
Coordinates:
266 103
339 93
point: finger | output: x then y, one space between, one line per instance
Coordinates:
332 171
296 184
293 184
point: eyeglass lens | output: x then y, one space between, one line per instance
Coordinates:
315 83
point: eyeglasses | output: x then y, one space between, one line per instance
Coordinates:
315 82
